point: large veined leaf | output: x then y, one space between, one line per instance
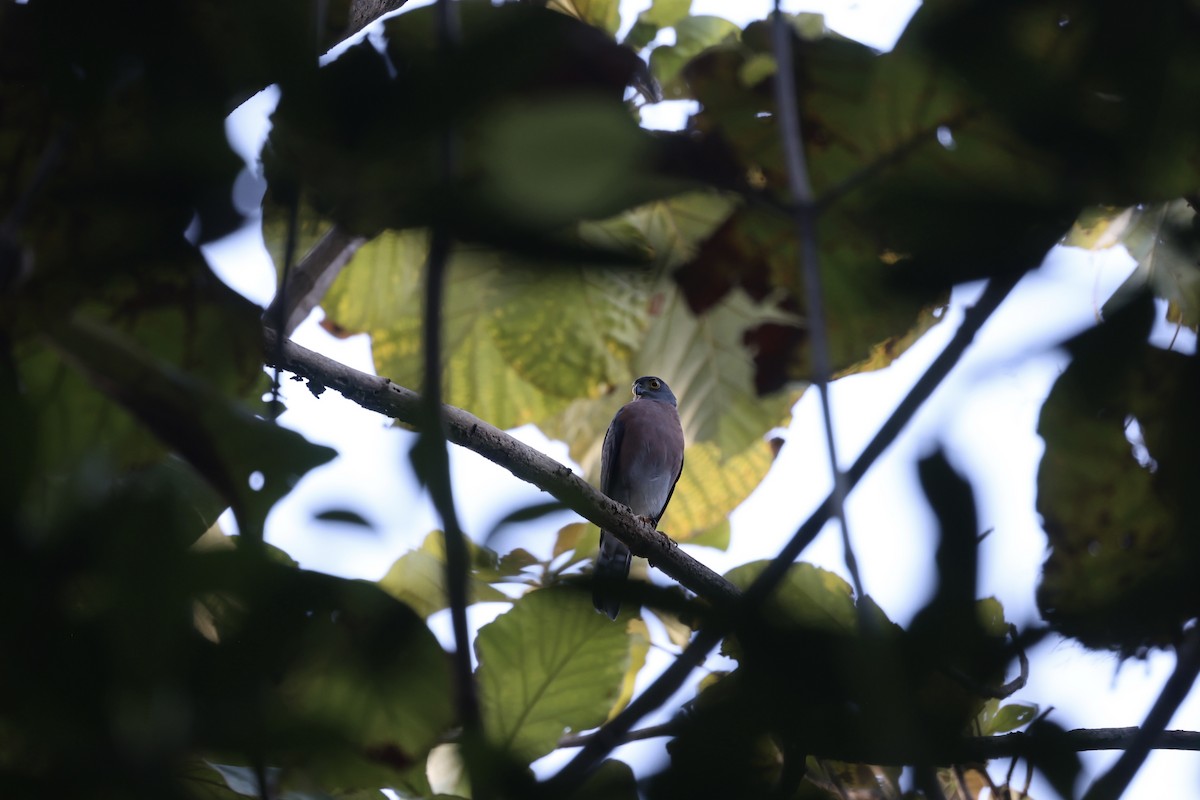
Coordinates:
1163 238
710 365
549 666
712 484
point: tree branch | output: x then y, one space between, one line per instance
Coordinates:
1113 783
466 430
307 283
658 692
969 748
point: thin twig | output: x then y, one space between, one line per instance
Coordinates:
1187 666
611 733
804 217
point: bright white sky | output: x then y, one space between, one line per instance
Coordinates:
985 415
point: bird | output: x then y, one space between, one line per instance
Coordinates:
640 464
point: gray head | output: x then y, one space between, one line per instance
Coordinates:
652 388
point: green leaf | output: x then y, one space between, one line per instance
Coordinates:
612 780
996 719
547 164
705 359
717 536
549 666
249 461
1116 506
711 486
807 596
603 14
376 675
639 646
660 14
1164 239
693 35
418 578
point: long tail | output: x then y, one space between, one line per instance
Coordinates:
612 567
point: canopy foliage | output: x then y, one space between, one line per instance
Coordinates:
148 655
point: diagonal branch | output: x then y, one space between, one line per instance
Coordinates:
657 693
306 284
464 429
1113 783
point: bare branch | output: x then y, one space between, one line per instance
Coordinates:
1114 782
307 283
968 749
364 12
464 429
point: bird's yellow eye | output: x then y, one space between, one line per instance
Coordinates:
655 384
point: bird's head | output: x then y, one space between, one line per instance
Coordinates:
652 388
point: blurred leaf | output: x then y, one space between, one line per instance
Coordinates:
1165 240
549 666
418 578
660 14
74 421
529 513
693 35
1078 80
679 632
611 780
639 646
551 163
391 699
359 141
1114 497
251 462
717 536
569 537
603 14
344 516
808 597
